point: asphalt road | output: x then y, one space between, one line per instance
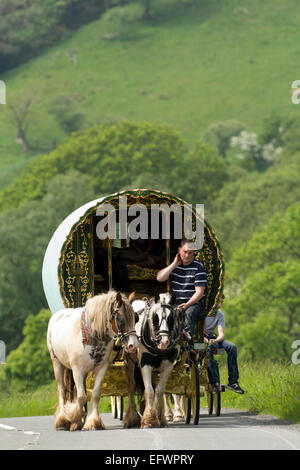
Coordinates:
234 429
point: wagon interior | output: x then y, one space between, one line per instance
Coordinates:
129 264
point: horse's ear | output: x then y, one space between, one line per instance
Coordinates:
119 299
131 297
157 298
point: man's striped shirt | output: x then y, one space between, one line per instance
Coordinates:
185 278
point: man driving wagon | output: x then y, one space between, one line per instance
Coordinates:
189 281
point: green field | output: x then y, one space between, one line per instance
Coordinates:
194 63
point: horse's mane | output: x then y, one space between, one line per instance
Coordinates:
99 310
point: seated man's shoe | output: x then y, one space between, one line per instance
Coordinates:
235 388
216 387
186 335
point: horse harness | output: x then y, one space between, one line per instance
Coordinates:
151 343
90 339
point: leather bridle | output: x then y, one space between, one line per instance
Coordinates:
151 344
119 320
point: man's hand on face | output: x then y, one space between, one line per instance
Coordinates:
177 260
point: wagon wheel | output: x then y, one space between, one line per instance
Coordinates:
117 407
192 404
114 410
214 402
196 393
187 405
120 407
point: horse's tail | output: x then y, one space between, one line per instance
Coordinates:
139 387
69 385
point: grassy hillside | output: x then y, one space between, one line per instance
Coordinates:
194 63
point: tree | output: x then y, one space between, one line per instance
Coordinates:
263 280
249 200
20 110
23 37
114 155
29 366
220 133
24 236
201 175
65 110
147 10
118 21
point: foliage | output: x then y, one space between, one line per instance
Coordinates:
255 155
205 173
220 133
158 77
118 21
23 36
249 200
263 283
40 401
24 236
67 113
113 155
271 388
29 366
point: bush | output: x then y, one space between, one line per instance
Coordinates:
29 366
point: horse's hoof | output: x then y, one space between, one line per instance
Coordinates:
178 419
75 427
163 425
94 424
147 426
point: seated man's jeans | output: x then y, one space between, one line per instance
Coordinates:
192 314
233 371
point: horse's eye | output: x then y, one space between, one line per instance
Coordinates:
121 322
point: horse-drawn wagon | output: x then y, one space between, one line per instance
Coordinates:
80 264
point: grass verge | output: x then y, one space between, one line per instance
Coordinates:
271 388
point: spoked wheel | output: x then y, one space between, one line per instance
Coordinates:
120 407
192 404
187 404
214 403
117 407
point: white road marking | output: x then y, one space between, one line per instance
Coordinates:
8 428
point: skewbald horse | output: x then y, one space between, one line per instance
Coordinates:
82 340
159 328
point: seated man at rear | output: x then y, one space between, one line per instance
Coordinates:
189 280
215 342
